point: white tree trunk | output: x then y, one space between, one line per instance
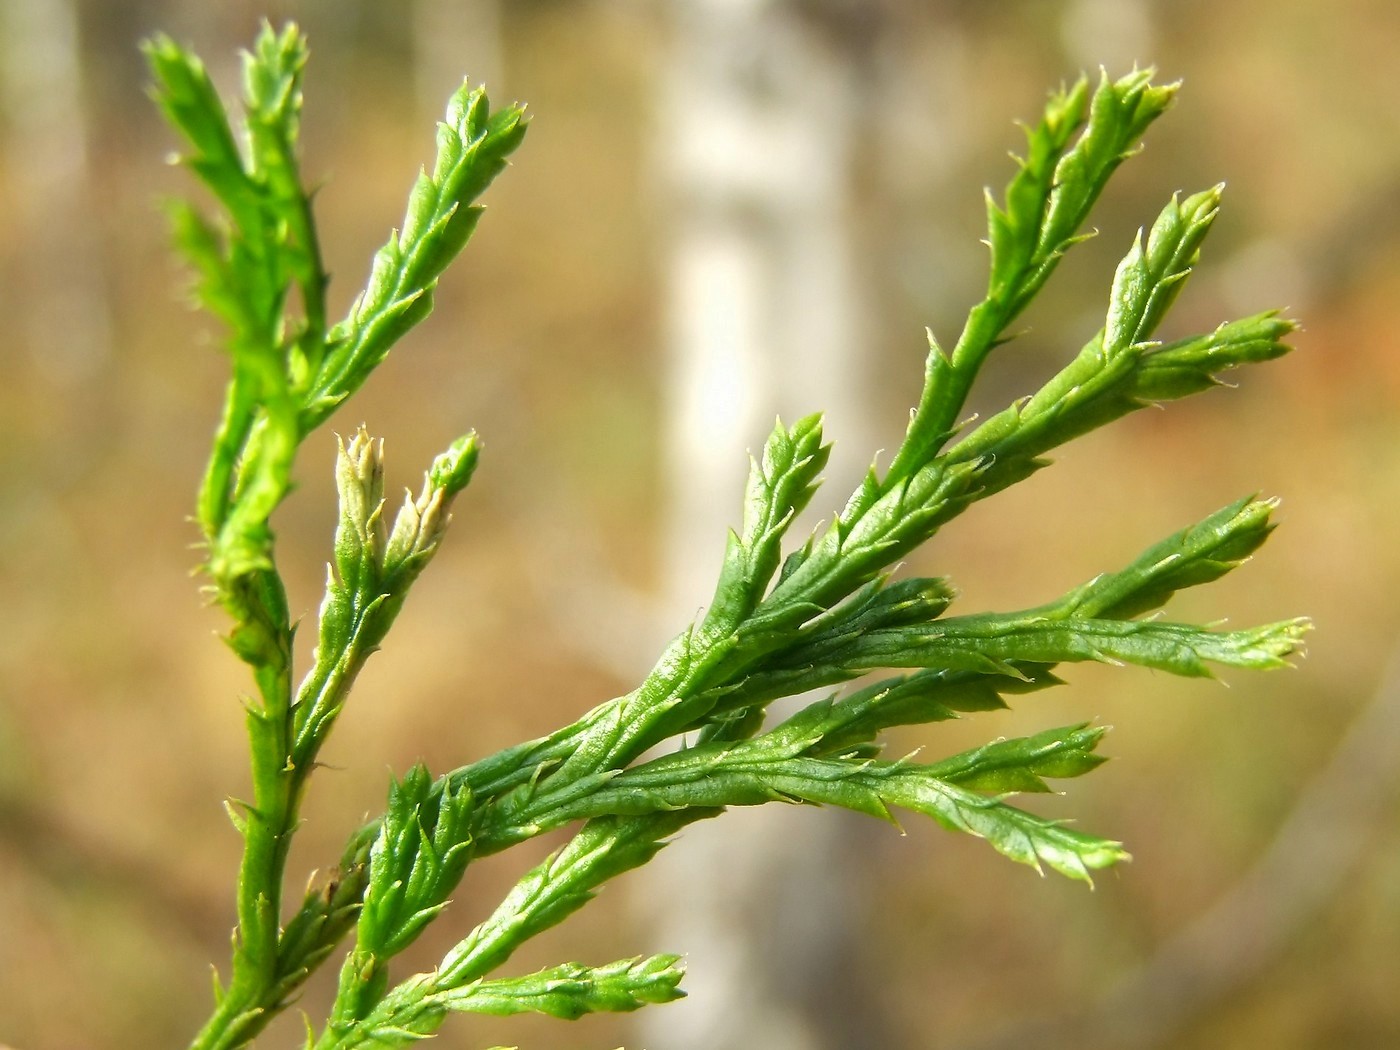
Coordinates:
65 322
453 39
757 119
1114 34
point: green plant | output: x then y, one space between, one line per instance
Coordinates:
826 613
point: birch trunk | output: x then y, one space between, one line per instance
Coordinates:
63 309
452 38
758 124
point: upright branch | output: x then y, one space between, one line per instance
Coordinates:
259 271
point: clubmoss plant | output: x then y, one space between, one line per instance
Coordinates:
784 619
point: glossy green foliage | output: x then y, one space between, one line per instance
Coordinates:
421 851
785 618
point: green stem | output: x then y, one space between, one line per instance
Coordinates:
263 638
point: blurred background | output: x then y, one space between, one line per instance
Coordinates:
724 209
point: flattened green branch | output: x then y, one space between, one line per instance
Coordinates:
1046 204
571 990
773 767
473 144
547 895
